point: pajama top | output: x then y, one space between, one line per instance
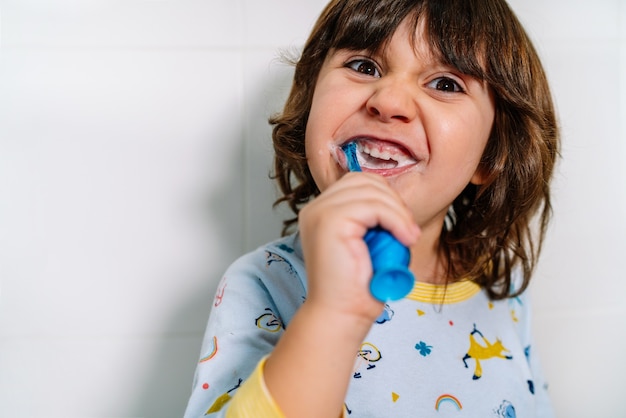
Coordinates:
439 352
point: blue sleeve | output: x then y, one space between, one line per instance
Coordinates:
543 405
254 301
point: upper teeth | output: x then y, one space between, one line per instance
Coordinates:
375 152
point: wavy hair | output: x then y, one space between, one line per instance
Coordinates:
490 229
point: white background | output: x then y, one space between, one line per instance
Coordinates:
134 159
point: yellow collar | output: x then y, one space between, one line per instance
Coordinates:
442 294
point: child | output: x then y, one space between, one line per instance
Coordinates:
453 119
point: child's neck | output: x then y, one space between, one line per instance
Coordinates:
427 263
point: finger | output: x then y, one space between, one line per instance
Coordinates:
366 204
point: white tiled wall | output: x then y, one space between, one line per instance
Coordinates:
580 294
134 154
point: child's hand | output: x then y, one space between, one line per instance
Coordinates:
337 260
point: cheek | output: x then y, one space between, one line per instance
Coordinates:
318 124
318 156
457 155
467 136
321 129
320 171
315 145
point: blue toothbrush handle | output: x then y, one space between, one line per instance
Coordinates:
392 279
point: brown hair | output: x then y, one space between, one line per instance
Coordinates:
491 228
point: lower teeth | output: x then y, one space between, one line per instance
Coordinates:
367 161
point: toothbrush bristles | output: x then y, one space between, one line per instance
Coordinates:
350 150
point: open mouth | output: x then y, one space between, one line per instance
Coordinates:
379 155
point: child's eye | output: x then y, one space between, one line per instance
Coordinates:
446 84
364 66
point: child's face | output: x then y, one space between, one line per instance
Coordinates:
432 121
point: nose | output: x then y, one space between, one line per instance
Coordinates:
393 100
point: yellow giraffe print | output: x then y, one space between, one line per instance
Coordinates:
480 352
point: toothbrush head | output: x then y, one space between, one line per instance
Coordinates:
350 150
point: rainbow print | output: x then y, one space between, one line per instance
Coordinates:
448 399
212 353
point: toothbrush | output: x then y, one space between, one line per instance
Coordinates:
392 279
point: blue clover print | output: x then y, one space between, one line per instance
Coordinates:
423 348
